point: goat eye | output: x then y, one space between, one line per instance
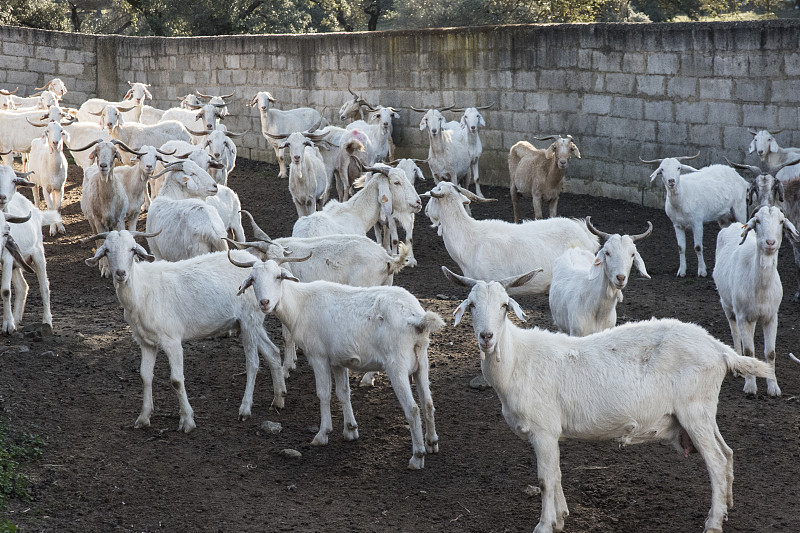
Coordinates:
608 253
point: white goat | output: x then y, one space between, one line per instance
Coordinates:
277 122
638 382
103 199
135 134
133 102
340 327
768 150
379 130
49 167
448 155
168 303
749 286
586 288
349 259
28 238
81 134
134 180
219 145
188 226
470 121
539 173
196 119
387 193
353 109
308 181
17 130
495 249
713 193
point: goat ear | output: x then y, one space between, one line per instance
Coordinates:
460 310
575 150
480 120
423 124
22 182
285 274
773 145
516 308
747 227
189 183
791 230
654 175
92 261
639 262
777 190
752 147
142 254
687 168
385 197
245 284
147 93
550 152
65 136
421 177
597 265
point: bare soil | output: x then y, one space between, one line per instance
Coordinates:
80 390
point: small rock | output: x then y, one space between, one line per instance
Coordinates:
479 383
291 487
313 429
443 296
532 491
288 452
23 349
81 336
48 353
272 427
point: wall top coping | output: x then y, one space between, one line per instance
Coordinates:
596 27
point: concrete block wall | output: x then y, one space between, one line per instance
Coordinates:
621 90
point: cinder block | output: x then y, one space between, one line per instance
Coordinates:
662 63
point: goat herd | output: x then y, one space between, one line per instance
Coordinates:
331 286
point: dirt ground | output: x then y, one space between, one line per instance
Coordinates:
80 391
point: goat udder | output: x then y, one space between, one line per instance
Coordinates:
686 444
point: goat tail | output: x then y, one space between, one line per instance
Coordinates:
739 364
428 323
50 217
399 261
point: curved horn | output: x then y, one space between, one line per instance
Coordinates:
548 138
249 264
351 92
198 133
283 260
258 232
17 219
641 236
13 249
6 153
183 156
480 107
67 120
201 95
458 280
125 147
688 157
95 237
596 231
248 244
24 175
166 153
419 110
46 87
755 170
96 113
774 170
650 160
775 132
234 134
223 96
34 124
443 109
474 197
431 194
379 170
124 109
168 168
87 146
137 234
9 93
194 107
752 132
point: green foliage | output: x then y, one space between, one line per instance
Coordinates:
43 14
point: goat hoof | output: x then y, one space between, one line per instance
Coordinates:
187 425
416 463
432 447
141 422
321 439
47 330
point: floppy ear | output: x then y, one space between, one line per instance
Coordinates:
575 150
147 94
639 262
385 197
480 120
773 145
22 182
65 137
395 114
460 310
419 176
92 261
789 227
285 274
687 168
463 122
752 146
597 265
550 152
189 183
141 253
423 124
245 284
516 308
654 175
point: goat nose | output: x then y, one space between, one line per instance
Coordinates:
120 273
620 277
770 242
486 335
3 197
264 303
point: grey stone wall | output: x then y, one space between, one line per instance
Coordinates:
621 90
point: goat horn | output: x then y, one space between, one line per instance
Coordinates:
95 237
247 244
17 219
315 127
418 161
755 170
601 234
34 124
201 95
124 109
277 135
249 264
474 197
378 170
87 146
351 92
14 250
419 110
168 168
6 153
650 160
234 134
774 170
183 156
547 138
194 107
640 236
198 133
96 113
283 260
166 153
223 96
688 157
752 132
23 175
480 107
9 93
137 234
776 132
458 280
431 194
125 147
448 108
258 232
